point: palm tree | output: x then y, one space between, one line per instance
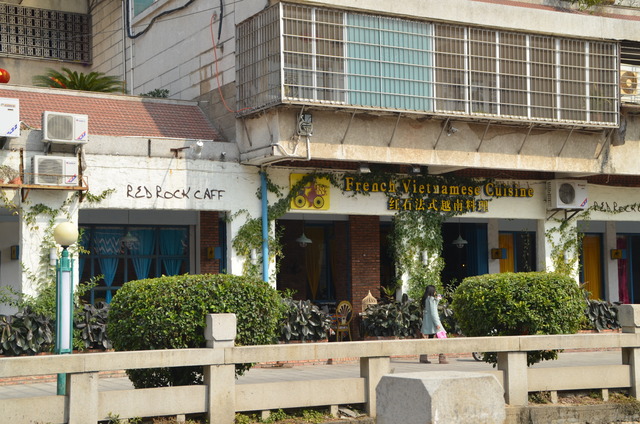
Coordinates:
72 80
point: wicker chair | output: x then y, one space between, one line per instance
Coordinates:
344 313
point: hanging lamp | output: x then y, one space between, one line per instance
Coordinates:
459 242
303 240
129 241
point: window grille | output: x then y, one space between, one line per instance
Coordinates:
46 34
308 55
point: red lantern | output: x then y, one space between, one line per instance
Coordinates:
4 76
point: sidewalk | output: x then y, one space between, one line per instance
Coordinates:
321 372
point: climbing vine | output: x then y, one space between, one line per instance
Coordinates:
565 241
416 239
44 274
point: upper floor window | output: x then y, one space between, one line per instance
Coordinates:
46 34
140 5
324 56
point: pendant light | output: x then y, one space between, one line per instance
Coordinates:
459 242
303 240
129 241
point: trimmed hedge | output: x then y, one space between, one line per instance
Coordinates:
525 303
169 313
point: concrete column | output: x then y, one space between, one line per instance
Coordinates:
493 239
220 333
629 317
541 246
82 391
611 290
235 262
514 367
372 369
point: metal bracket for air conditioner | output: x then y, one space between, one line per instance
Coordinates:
573 212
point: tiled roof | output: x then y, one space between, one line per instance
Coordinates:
115 115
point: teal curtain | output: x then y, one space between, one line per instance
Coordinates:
141 252
106 243
173 242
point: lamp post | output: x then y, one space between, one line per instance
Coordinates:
65 234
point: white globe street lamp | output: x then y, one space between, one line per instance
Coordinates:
65 234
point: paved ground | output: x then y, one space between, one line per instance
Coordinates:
318 372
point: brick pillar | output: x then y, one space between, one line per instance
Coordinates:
365 262
209 238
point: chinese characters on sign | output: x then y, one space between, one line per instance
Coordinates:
437 197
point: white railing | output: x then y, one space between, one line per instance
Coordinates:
220 397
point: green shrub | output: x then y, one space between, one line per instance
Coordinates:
169 313
399 319
519 304
304 321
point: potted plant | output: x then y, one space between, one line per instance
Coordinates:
392 320
304 321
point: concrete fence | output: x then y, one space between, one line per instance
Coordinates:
220 397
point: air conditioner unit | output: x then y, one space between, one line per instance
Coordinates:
629 89
55 170
567 194
9 117
65 128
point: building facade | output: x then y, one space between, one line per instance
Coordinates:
510 117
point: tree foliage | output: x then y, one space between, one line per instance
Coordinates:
527 303
169 313
73 80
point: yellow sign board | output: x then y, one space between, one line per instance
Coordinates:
314 195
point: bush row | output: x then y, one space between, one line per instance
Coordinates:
29 332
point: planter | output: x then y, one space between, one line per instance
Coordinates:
16 181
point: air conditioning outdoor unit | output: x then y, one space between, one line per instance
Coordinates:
9 117
629 89
65 128
567 194
55 170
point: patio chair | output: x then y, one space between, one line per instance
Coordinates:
344 313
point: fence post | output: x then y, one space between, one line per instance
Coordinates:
629 317
82 392
514 367
219 379
372 369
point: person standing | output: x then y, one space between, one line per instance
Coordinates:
431 320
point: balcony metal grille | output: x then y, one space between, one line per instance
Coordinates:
47 34
306 55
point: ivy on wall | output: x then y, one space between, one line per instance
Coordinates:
416 238
44 274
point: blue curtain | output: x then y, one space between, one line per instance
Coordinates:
476 235
106 243
141 252
173 242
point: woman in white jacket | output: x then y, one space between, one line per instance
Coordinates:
431 320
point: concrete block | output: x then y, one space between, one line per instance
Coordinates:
220 330
629 317
440 397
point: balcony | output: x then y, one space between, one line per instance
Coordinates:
328 58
